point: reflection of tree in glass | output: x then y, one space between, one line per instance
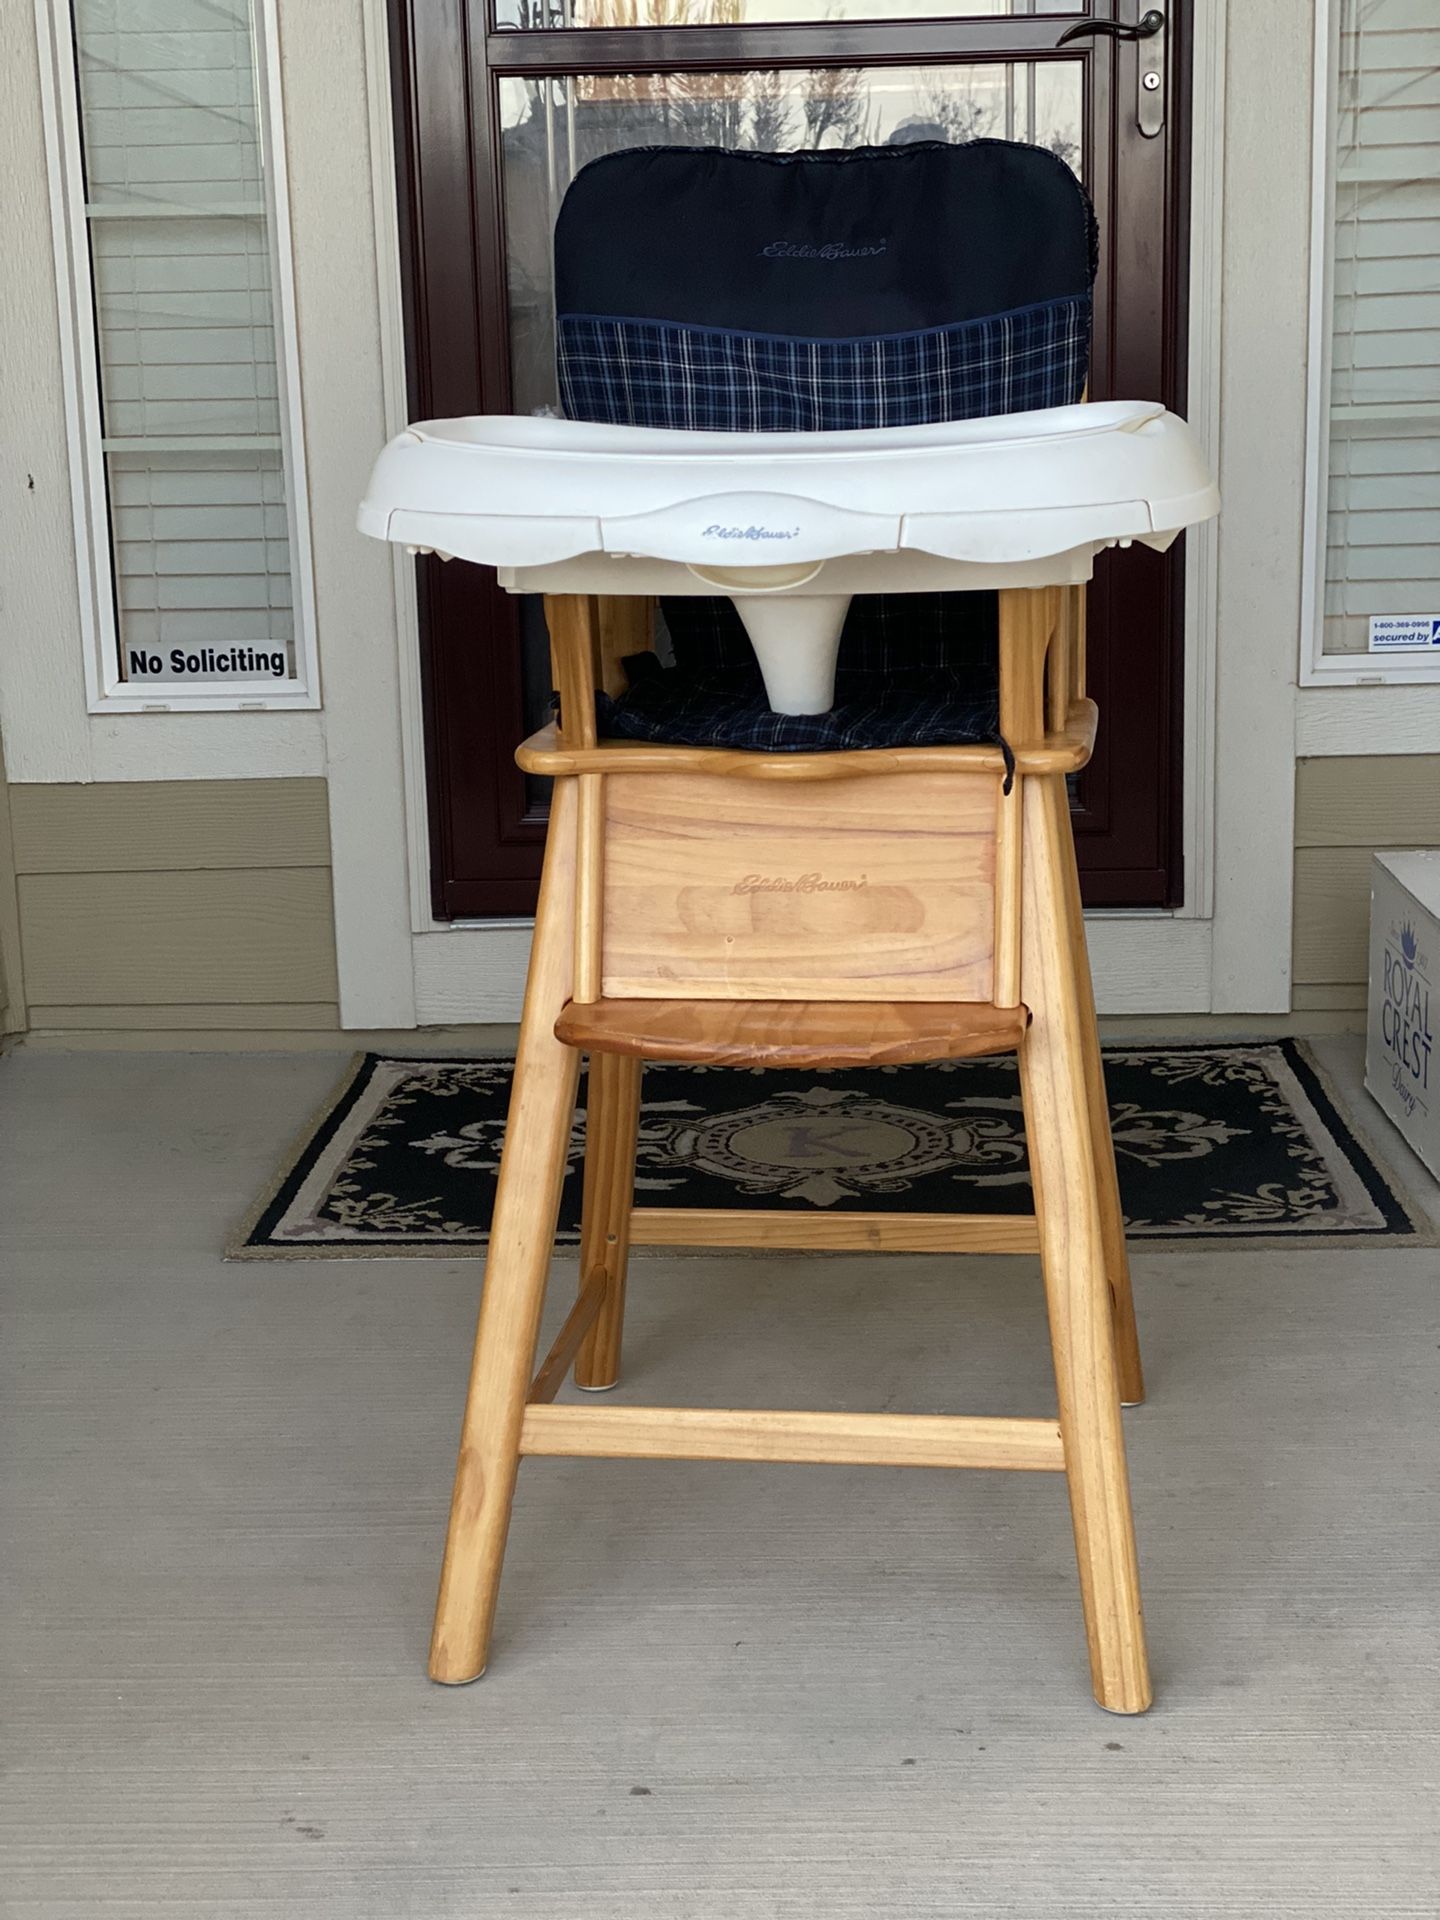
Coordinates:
952 106
588 115
835 102
951 109
664 13
769 111
531 15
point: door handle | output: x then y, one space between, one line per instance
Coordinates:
1149 30
1148 25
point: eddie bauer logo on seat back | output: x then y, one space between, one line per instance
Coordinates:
801 883
828 250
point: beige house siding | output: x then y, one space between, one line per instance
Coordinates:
176 905
1347 808
12 995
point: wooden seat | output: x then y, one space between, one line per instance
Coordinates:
791 1033
816 910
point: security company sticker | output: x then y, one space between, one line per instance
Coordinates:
1403 630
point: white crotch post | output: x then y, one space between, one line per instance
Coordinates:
796 636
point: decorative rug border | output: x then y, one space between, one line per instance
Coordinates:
1424 1230
305 1145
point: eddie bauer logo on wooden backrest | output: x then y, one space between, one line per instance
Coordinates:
799 883
1405 1016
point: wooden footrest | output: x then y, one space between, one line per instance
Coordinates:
834 1232
855 1439
792 1033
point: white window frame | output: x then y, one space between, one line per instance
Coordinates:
106 690
1317 668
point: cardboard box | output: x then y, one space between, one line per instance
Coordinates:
1401 1069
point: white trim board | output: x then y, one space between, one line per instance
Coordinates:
328 65
1266 130
1202 544
379 101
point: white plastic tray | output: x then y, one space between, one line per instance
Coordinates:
790 525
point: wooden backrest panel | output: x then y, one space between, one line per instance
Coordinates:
862 889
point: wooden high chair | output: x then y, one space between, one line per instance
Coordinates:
956 931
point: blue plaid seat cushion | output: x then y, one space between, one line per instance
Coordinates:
708 710
658 373
914 669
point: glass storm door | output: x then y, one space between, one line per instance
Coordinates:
499 102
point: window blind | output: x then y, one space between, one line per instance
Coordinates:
192 434
1383 527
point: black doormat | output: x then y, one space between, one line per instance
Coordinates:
1237 1141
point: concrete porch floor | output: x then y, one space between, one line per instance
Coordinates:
718 1692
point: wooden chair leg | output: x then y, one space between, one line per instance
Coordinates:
612 1118
1069 1209
522 1237
1112 1216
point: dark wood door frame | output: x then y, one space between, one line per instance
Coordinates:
445 61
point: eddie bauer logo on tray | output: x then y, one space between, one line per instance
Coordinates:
800 883
1405 1016
716 532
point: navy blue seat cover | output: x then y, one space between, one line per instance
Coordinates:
876 287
